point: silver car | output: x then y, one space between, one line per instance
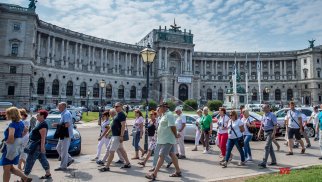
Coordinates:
280 114
190 130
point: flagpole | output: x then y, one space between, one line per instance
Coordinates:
246 75
235 84
259 78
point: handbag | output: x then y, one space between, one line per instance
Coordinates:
126 135
240 139
31 146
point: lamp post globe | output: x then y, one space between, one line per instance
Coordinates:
102 85
148 55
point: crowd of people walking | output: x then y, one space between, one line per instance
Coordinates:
24 143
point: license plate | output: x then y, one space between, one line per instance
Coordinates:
53 148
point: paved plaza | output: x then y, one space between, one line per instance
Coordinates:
197 166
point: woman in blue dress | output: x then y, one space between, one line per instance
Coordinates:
13 132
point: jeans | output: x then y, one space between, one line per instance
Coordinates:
223 137
205 139
62 149
136 141
230 145
269 147
247 150
156 156
31 159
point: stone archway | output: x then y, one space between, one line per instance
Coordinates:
183 92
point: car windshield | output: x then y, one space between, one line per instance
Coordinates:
51 121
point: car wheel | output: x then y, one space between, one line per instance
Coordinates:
310 131
212 138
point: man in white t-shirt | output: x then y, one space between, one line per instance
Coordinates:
314 119
180 125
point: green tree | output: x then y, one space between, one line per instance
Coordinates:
171 105
190 105
152 105
214 105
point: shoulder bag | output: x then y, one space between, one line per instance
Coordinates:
240 139
126 134
293 120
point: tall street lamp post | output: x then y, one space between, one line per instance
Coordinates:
148 55
102 85
88 93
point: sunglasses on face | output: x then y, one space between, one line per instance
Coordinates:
116 106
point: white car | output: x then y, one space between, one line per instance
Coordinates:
254 107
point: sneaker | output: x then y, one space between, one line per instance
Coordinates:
194 149
316 139
100 162
60 169
249 159
126 166
119 162
320 158
308 145
224 164
70 162
205 152
181 157
261 165
272 164
168 165
241 163
296 146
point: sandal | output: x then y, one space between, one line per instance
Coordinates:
126 166
46 176
142 164
104 169
176 174
151 170
150 176
143 153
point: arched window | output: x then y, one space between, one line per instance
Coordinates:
144 92
278 94
55 88
289 94
41 86
265 95
121 92
82 90
133 92
254 95
109 91
209 94
220 94
96 90
69 88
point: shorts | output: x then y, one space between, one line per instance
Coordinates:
166 149
115 143
294 131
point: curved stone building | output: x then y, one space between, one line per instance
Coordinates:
43 64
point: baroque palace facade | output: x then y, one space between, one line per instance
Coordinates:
41 63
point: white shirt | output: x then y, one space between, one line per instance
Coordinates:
104 125
293 118
247 120
180 120
27 125
222 124
314 117
138 122
235 125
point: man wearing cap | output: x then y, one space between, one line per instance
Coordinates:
180 124
167 134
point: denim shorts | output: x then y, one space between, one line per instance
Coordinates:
166 149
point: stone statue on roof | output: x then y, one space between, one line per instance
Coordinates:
175 27
311 43
32 5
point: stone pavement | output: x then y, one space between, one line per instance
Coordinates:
197 167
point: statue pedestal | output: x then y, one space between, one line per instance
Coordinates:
229 100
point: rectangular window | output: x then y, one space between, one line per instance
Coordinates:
11 90
16 27
14 49
305 86
304 61
13 69
320 98
318 60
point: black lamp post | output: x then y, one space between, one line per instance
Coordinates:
102 85
88 93
148 55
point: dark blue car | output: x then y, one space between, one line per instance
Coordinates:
51 143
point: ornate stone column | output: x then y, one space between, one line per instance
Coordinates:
53 52
76 57
38 47
81 57
62 51
48 50
67 54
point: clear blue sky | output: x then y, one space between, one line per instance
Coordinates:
218 25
